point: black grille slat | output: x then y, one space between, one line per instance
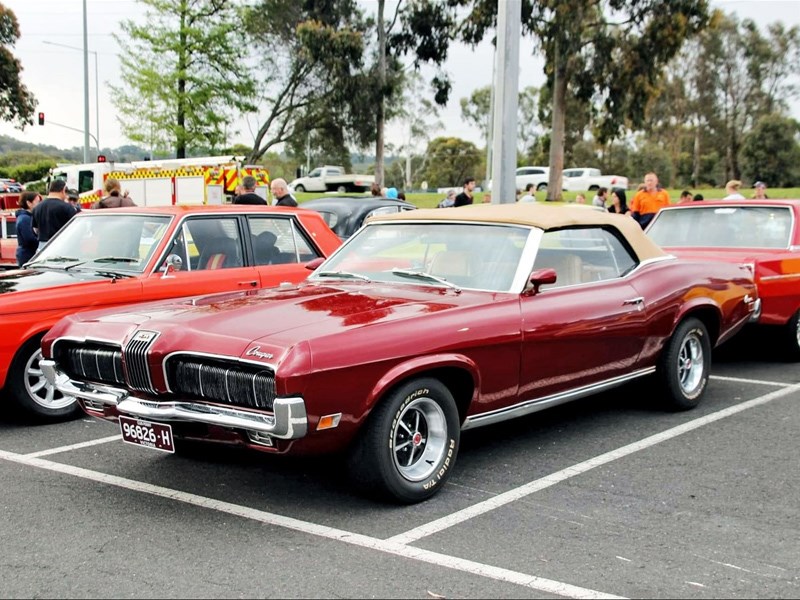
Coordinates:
93 362
231 384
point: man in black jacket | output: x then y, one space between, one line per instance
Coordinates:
248 195
280 191
52 213
465 197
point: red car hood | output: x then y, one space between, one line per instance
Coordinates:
275 319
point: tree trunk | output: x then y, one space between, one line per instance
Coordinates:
558 128
180 146
380 118
696 157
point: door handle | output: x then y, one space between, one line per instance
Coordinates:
250 283
638 302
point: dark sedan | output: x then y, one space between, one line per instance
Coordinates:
346 214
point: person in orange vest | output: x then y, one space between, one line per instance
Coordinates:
647 202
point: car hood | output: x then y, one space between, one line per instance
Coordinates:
276 319
20 289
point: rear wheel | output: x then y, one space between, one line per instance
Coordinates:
542 187
409 444
791 335
299 188
341 189
31 392
685 365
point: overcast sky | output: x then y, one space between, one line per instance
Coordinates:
54 73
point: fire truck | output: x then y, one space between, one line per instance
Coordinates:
201 180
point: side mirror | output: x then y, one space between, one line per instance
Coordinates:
542 277
173 263
312 265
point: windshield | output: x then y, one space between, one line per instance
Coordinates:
469 255
107 241
723 227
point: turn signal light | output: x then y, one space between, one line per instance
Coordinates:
329 421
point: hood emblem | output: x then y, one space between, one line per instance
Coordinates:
256 351
145 336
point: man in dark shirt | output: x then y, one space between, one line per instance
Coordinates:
280 191
52 213
465 197
248 195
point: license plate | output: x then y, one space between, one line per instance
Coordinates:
144 433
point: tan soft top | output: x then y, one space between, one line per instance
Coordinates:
536 215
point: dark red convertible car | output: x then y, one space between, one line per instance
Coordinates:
424 324
764 234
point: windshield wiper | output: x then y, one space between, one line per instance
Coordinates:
52 259
103 259
113 274
422 276
343 275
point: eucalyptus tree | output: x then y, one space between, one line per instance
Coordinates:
182 79
608 52
476 110
17 104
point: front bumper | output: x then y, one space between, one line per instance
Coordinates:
289 420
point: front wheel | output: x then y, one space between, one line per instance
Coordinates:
542 187
409 444
685 365
791 336
30 391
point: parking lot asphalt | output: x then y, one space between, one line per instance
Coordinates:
607 496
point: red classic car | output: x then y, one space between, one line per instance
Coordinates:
119 256
423 324
8 241
762 233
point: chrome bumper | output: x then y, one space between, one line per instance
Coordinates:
288 421
755 311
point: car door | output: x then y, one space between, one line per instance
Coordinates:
281 248
590 325
213 259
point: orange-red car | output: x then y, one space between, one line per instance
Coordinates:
119 256
8 240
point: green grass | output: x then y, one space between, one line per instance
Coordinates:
431 200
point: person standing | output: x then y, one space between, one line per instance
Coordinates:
280 191
248 193
648 201
761 191
619 203
530 193
27 241
74 199
600 197
52 213
465 197
732 190
115 198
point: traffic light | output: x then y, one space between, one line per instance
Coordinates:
41 118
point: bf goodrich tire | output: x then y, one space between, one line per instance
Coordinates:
29 390
408 447
685 364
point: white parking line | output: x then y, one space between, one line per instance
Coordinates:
545 482
745 380
105 440
434 558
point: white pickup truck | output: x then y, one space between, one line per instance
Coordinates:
585 179
332 178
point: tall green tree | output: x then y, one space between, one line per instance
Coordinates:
17 104
450 161
182 73
771 152
611 52
476 110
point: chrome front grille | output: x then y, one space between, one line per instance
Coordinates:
136 365
228 383
93 362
